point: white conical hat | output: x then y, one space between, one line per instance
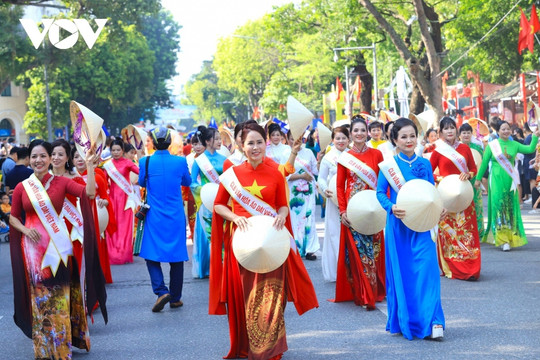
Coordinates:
365 213
299 117
208 195
424 120
325 136
422 204
332 186
86 127
477 157
103 218
135 136
456 195
341 123
387 116
261 248
224 151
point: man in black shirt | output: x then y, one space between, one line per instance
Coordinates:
20 172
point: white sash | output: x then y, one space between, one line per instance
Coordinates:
392 173
207 168
132 201
247 200
235 159
387 150
60 247
304 166
332 156
70 212
504 162
360 168
451 154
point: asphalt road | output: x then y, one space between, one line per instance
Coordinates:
496 317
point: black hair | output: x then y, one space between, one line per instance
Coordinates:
340 129
252 126
430 130
118 142
500 123
204 134
39 142
22 153
387 126
526 127
519 131
13 150
238 128
162 145
400 124
495 123
311 138
376 124
67 148
128 147
358 119
465 127
447 121
274 127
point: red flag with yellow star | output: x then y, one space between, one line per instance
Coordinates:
524 31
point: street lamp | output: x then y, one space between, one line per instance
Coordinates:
375 87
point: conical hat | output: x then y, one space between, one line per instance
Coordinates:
332 186
299 117
365 213
227 137
341 123
86 127
479 127
325 136
224 151
477 157
387 116
424 120
135 136
103 218
533 117
261 248
456 195
422 204
208 195
100 145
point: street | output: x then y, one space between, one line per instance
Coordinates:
496 317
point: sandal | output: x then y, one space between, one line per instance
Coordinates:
437 332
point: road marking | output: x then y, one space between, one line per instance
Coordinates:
1 317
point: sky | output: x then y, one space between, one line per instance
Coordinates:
203 23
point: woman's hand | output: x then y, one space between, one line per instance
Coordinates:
399 213
297 145
345 220
465 176
279 222
3 225
328 194
242 222
102 203
32 234
477 184
306 177
91 158
444 213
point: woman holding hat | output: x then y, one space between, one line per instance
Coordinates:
413 285
100 201
332 226
206 169
458 244
50 295
360 268
123 201
504 215
466 137
302 189
251 298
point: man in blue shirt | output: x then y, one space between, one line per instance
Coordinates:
164 236
20 172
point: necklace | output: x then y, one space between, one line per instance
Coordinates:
408 161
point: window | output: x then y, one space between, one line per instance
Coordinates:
7 91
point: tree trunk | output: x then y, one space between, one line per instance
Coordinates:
417 101
367 86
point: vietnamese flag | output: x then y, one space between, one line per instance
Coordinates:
524 31
534 25
339 89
